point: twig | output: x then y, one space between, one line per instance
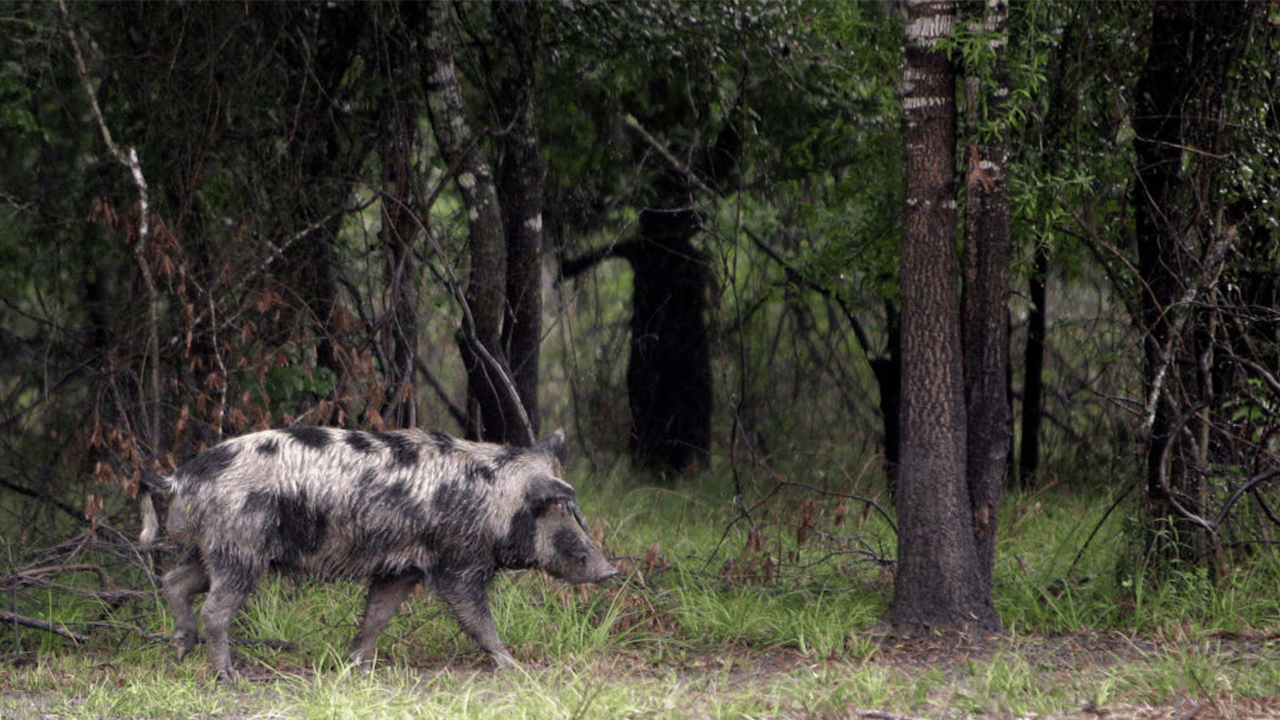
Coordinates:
847 496
1210 268
46 497
275 251
1240 491
672 160
1162 472
1096 528
223 380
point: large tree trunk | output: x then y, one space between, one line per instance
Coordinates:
669 388
669 370
939 582
494 411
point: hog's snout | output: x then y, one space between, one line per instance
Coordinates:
573 556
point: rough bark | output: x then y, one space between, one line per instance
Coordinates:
668 371
939 582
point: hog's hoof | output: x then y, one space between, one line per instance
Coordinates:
183 644
504 663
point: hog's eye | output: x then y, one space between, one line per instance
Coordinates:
568 546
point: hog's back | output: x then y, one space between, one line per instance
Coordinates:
326 503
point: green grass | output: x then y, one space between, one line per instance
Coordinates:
722 614
618 684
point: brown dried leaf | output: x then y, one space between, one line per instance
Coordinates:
806 521
344 320
93 506
183 416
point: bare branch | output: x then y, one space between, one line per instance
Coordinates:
468 329
130 160
55 628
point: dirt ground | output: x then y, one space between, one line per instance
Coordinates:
1067 655
1060 658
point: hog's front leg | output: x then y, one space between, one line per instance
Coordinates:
468 598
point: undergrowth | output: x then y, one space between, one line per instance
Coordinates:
793 573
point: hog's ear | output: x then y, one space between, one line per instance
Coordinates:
554 446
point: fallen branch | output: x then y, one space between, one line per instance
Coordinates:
882 715
55 628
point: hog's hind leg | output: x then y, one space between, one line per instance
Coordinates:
386 592
181 585
229 586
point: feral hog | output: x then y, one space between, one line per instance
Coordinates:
397 508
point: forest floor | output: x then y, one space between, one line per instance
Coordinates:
945 678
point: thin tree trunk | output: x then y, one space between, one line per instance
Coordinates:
520 182
1033 369
986 305
397 234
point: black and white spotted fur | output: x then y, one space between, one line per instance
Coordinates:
397 508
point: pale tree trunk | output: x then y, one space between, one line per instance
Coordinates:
494 410
939 581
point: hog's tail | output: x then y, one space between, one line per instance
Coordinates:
150 520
